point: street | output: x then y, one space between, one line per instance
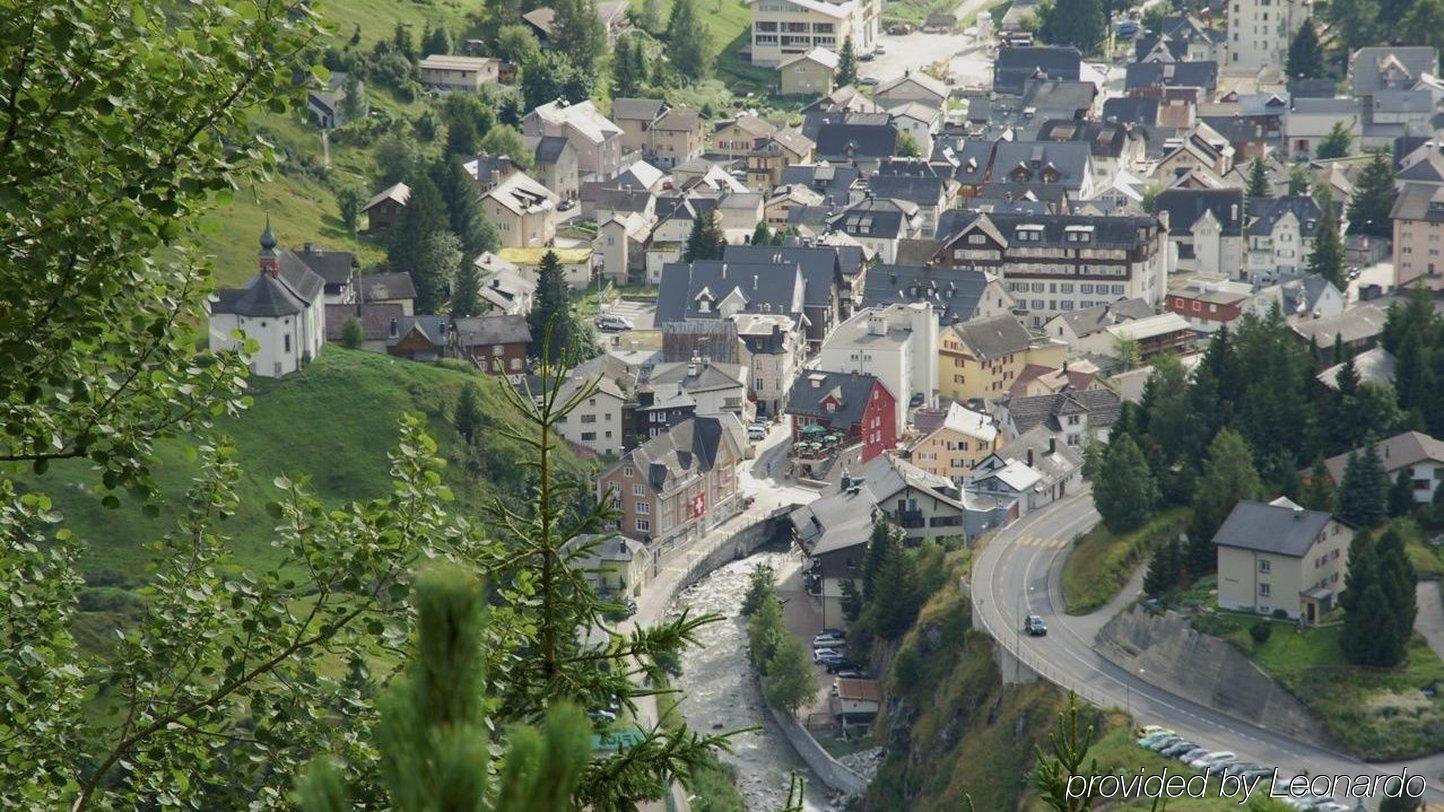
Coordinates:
1018 573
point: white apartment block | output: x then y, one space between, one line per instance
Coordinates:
785 28
1259 33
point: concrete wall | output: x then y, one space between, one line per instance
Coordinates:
828 769
1173 656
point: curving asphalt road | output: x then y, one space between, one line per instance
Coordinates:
1018 573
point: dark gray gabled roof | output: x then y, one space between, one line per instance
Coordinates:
1101 405
821 265
1264 213
1054 96
375 319
813 388
1104 139
1090 320
870 220
393 285
1112 231
954 291
549 149
335 267
832 181
848 141
763 287
1171 74
922 190
485 330
692 445
974 159
993 338
1014 66
1277 529
1032 162
1131 110
637 109
1185 206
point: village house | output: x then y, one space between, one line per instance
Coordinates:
1076 325
393 287
596 423
338 269
1036 379
1418 218
677 136
1151 335
1205 228
635 117
466 73
771 154
1416 451
675 485
951 441
523 211
784 28
855 703
1056 263
331 106
980 360
1259 33
554 162
374 319
808 73
1209 302
496 345
597 141
1072 417
384 208
774 350
282 308
616 566
856 404
735 138
1281 233
717 389
1278 557
1053 470
957 294
898 344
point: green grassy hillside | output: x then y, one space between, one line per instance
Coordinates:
333 424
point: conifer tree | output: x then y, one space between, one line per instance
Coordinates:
1336 143
1363 493
468 418
578 33
761 235
553 325
1373 198
466 290
1125 491
1327 258
706 240
1398 580
1306 55
879 546
1258 180
1164 569
425 215
1401 494
1318 492
1080 23
687 43
847 63
463 206
1228 477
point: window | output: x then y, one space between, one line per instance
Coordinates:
1263 590
1264 564
588 436
497 349
644 526
589 418
637 489
628 470
644 508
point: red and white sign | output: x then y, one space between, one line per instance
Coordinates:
699 505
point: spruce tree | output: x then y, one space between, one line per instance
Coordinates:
1373 198
1298 180
1318 493
1080 23
1163 569
464 208
1258 180
553 328
1327 258
879 546
1125 492
847 63
435 270
1228 477
1398 580
352 335
1336 143
466 290
1401 494
761 235
468 418
687 43
706 240
424 215
579 33
1306 55
625 82
1363 493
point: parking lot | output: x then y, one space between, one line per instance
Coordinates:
642 315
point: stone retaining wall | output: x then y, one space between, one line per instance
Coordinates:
828 770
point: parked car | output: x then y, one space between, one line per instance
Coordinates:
827 641
1158 745
1148 730
850 673
838 666
867 81
756 432
1177 749
879 49
631 606
1154 741
567 205
1192 753
611 323
1127 29
1216 758
840 634
1035 626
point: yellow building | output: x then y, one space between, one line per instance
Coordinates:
952 441
808 74
981 359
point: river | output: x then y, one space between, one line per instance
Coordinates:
722 693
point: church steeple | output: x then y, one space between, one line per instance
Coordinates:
270 261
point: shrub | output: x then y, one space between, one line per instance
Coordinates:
1281 614
1260 631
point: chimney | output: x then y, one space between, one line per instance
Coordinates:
394 327
1030 458
1052 445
